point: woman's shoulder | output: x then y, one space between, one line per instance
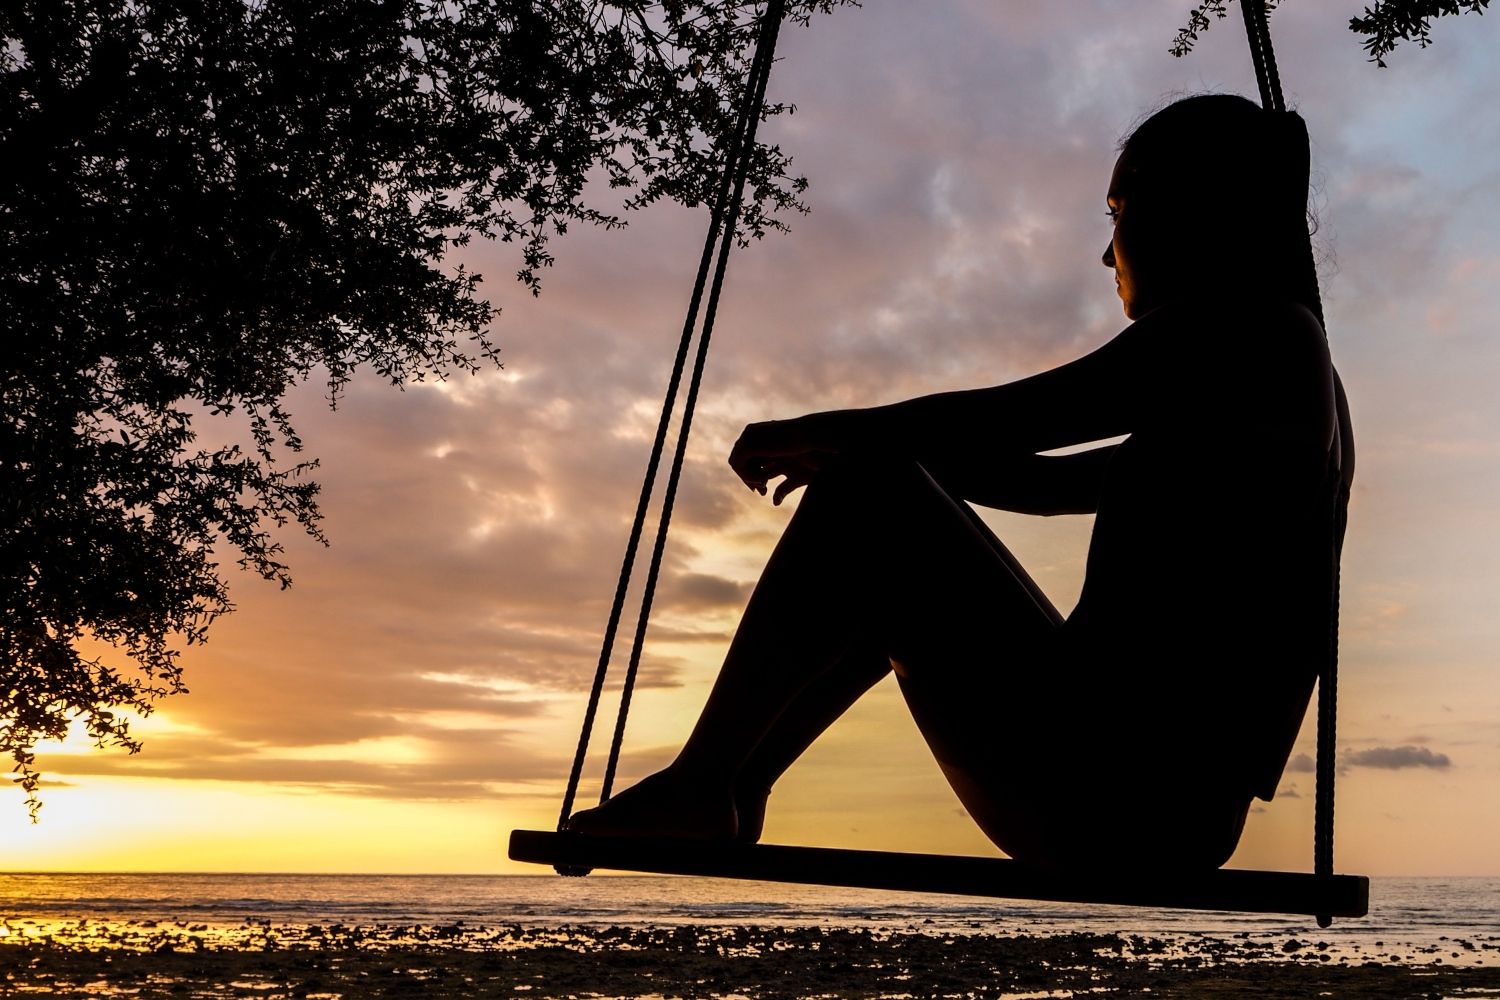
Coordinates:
1238 338
1259 359
1244 320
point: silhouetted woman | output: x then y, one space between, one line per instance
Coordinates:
1144 722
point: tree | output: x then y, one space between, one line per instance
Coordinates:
208 201
1383 25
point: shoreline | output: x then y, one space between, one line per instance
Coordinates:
161 959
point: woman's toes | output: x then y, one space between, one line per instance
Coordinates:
662 806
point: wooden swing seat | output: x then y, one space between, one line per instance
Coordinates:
1116 885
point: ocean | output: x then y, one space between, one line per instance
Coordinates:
1456 920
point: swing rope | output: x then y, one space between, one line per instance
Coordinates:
1328 680
1268 79
726 242
723 219
1258 33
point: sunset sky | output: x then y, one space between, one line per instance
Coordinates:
417 693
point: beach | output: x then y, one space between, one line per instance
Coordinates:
148 960
350 937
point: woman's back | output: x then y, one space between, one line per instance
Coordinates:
1207 592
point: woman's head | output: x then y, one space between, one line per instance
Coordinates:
1209 196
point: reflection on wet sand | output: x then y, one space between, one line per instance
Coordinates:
333 961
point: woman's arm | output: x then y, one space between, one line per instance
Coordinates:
1193 365
1095 397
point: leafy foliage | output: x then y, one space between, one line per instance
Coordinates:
1199 22
209 201
1383 25
1390 21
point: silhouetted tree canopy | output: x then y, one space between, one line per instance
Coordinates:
209 201
1383 25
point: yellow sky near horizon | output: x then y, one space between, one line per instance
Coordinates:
416 694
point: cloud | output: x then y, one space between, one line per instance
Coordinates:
1397 758
701 591
456 764
1383 758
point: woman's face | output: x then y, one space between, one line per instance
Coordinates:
1129 251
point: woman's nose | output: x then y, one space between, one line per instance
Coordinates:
1109 254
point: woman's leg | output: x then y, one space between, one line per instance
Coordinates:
827 697
877 560
864 663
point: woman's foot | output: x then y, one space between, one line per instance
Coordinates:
665 804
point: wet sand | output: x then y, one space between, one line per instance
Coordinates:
150 960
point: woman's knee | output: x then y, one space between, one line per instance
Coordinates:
875 480
863 468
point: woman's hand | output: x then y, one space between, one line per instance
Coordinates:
795 450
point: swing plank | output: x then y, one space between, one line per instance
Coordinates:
1224 889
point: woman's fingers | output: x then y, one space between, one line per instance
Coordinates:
776 449
798 473
761 448
752 469
785 488
757 473
747 461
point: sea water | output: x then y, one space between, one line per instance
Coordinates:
1455 919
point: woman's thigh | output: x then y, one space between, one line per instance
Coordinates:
929 572
978 648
